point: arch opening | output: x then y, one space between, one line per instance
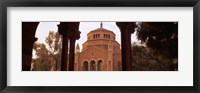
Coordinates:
92 66
85 66
100 65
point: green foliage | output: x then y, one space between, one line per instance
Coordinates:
54 44
146 59
42 61
160 36
48 54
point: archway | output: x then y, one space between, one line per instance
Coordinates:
66 28
85 66
28 39
47 49
92 66
100 65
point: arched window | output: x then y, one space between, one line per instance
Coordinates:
98 35
92 66
85 66
100 65
94 36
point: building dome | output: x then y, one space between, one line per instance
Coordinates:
101 33
100 37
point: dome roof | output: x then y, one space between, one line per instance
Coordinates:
101 29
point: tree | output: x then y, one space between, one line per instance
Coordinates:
160 36
48 54
146 59
54 46
42 62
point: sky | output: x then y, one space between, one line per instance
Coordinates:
84 27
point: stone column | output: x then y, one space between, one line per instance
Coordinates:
63 31
89 66
27 48
71 54
28 39
126 29
73 37
96 65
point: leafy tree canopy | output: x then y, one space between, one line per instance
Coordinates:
146 59
161 36
48 54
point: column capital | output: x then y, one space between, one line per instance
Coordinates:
62 30
75 35
67 28
127 26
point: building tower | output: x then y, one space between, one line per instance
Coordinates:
77 53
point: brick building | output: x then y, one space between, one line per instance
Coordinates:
101 52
